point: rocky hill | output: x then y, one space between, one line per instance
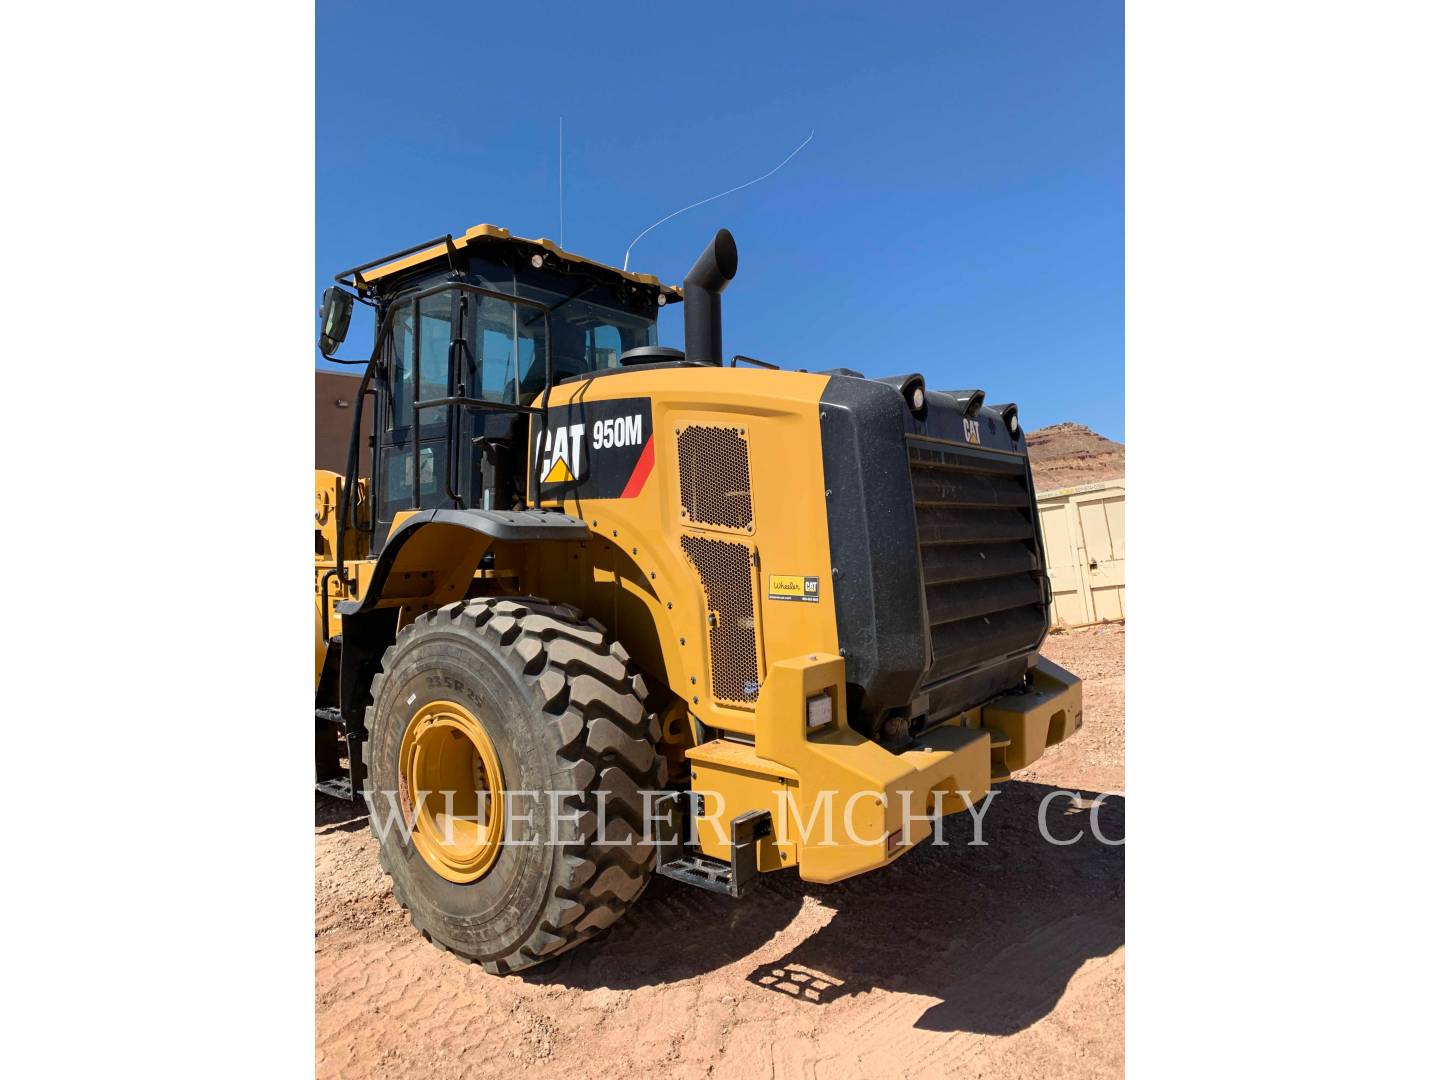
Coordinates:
1066 455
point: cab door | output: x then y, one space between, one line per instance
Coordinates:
413 443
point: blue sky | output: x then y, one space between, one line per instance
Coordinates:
960 211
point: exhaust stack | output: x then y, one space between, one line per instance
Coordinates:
707 279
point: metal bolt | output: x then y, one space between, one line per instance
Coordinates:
695 700
692 680
834 571
682 641
652 575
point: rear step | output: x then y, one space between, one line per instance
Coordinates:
674 858
999 771
331 777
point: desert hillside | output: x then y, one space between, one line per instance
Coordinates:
1066 455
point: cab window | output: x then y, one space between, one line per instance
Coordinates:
506 342
435 337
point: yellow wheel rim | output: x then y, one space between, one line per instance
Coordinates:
446 750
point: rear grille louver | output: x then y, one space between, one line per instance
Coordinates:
980 558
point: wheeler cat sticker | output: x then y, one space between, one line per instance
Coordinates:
795 587
594 449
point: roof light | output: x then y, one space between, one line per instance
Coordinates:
537 261
1011 417
660 299
917 398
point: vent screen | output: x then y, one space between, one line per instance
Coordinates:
724 569
715 477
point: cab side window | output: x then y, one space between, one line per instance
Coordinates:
402 348
506 349
435 350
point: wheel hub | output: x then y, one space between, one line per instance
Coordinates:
452 790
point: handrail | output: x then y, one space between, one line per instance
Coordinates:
739 359
447 239
475 403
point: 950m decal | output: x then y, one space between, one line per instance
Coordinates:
795 587
594 449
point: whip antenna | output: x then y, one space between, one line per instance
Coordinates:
712 198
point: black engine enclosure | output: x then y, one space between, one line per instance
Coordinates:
938 567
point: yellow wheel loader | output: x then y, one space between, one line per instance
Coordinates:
604 609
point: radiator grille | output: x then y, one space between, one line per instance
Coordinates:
724 569
715 477
980 558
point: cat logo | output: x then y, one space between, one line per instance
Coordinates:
561 453
972 431
601 449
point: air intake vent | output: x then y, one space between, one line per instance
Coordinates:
715 478
724 569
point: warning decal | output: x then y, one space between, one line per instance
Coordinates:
594 449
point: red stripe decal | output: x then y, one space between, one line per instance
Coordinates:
642 470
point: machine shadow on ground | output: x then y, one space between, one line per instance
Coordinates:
338 815
994 932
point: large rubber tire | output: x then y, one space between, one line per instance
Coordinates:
566 711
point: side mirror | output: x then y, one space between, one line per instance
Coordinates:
334 318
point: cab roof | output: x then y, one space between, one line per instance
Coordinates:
365 277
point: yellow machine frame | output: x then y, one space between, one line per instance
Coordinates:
839 801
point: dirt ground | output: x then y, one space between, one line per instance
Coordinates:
1003 960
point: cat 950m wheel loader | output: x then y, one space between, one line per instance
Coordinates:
604 609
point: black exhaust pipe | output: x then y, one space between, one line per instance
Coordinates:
703 285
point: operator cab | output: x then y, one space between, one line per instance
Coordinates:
469 332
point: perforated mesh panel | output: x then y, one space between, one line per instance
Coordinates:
724 569
715 477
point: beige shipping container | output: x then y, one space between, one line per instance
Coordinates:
1084 533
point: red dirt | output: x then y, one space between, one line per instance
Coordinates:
997 960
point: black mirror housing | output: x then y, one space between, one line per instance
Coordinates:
335 308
